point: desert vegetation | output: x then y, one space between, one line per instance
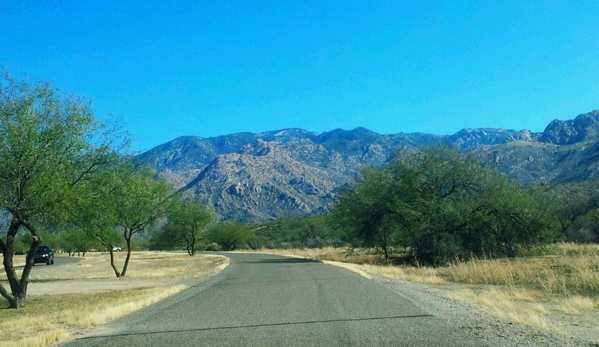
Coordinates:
64 170
438 204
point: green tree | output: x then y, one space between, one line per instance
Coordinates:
440 204
229 236
310 231
49 144
128 199
78 241
366 214
187 219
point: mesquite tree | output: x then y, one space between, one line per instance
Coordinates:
187 219
49 144
128 200
439 204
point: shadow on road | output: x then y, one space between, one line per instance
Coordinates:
259 326
281 261
260 280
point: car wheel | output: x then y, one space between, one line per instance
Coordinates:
52 261
48 262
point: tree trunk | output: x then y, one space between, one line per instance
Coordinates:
128 234
18 287
116 271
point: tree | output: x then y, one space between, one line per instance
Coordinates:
228 235
187 219
363 214
440 204
310 231
49 144
77 241
128 199
579 202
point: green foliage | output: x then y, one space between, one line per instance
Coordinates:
22 242
49 145
213 247
186 221
440 205
295 232
126 197
577 213
75 240
229 236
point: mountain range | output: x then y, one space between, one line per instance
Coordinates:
254 177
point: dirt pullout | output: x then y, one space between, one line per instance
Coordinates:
93 274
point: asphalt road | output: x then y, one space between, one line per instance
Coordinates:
61 260
57 261
266 300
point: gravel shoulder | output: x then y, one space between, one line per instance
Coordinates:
494 330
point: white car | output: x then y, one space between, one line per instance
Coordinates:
116 249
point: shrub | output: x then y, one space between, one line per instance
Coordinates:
213 247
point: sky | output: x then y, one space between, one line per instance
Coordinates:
211 68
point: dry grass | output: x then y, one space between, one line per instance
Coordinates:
46 319
565 274
577 305
413 274
143 265
345 255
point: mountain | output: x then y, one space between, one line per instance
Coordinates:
567 151
250 177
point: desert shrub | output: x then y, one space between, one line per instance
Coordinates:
213 247
439 205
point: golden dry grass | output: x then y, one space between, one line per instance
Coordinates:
345 255
46 319
565 274
142 265
577 305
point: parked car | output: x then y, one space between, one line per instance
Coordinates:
116 249
44 254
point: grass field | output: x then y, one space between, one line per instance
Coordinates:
89 295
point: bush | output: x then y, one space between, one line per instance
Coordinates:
441 205
213 247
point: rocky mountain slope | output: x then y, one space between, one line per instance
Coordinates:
255 177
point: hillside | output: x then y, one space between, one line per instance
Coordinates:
251 177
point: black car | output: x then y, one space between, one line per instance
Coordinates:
44 254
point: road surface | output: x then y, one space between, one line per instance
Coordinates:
267 300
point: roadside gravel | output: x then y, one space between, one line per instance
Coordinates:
495 331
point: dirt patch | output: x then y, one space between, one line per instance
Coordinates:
147 269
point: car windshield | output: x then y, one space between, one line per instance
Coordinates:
43 249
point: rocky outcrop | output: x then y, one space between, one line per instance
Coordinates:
582 128
251 177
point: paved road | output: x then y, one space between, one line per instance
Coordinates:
266 300
62 260
57 261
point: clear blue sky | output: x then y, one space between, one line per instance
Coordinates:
209 68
